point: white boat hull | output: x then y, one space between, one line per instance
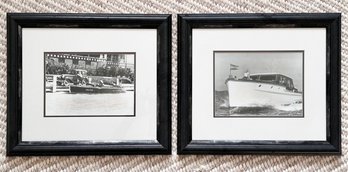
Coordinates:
253 94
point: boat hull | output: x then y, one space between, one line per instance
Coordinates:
254 94
92 90
128 87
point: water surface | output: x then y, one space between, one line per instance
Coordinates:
66 104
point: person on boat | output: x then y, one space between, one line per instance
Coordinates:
79 76
247 75
83 82
78 79
282 81
118 80
101 83
88 81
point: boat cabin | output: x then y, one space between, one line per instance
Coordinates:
278 79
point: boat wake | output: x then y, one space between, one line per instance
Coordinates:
295 106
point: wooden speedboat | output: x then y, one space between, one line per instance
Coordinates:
95 89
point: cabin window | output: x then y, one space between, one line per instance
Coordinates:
254 77
289 84
88 62
282 80
268 77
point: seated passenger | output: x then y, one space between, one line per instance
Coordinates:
247 75
101 83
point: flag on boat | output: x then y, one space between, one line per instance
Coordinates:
233 67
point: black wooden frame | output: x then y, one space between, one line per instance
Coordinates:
330 21
17 21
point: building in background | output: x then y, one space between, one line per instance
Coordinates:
92 61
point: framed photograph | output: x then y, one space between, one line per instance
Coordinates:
88 84
276 75
259 83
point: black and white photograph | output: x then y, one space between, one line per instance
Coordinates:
89 84
258 83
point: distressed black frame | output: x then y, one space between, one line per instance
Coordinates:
330 21
16 21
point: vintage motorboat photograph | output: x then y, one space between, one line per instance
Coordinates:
89 83
258 84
